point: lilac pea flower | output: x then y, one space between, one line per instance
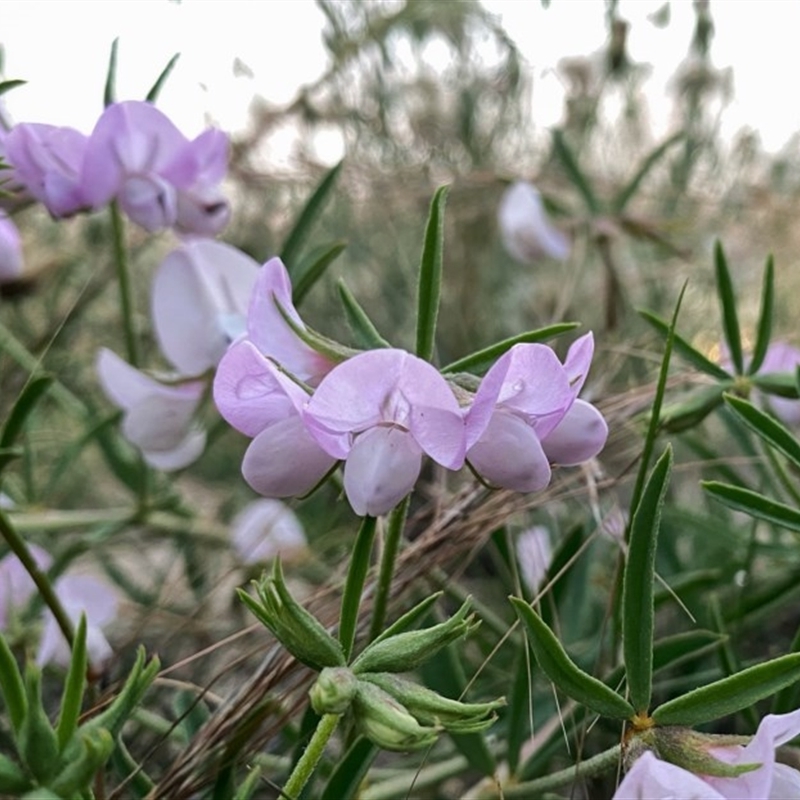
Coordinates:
380 411
16 585
534 554
10 251
582 433
654 779
520 401
250 392
265 529
270 332
158 418
526 232
129 152
47 161
80 594
200 297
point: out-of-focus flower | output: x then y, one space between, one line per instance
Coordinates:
47 161
10 250
525 416
264 529
80 594
654 778
526 232
781 357
16 585
252 394
200 296
534 554
158 418
380 411
137 156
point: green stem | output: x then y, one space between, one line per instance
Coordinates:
125 284
21 551
354 586
311 755
394 532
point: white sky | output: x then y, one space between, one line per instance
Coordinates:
61 48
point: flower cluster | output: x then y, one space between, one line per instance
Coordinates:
382 410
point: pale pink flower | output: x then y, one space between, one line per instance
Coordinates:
16 585
534 554
10 250
265 529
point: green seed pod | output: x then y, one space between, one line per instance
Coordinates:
333 691
387 723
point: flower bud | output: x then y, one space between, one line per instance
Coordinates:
333 691
387 723
406 651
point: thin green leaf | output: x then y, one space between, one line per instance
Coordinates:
356 575
327 347
364 330
481 360
312 209
407 620
12 686
764 330
29 397
685 350
74 686
7 86
350 770
754 504
786 699
574 172
625 195
727 299
312 267
732 694
156 88
110 91
637 597
564 673
519 708
783 384
773 432
692 410
430 276
248 786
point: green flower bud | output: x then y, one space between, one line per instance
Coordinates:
297 630
92 752
333 691
387 723
406 651
431 708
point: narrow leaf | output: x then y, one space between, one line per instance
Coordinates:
625 195
691 411
155 90
350 770
637 598
727 299
481 360
12 686
764 330
732 694
364 330
29 397
754 504
767 427
74 686
7 86
430 276
783 384
109 94
312 267
574 172
312 209
405 622
357 573
685 350
564 673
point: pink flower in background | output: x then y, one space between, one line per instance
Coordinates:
526 232
653 778
265 529
80 594
137 156
253 395
10 250
380 411
200 296
159 419
534 554
781 357
16 585
522 418
47 161
272 335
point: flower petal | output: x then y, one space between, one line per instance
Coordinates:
581 435
265 529
578 361
653 779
